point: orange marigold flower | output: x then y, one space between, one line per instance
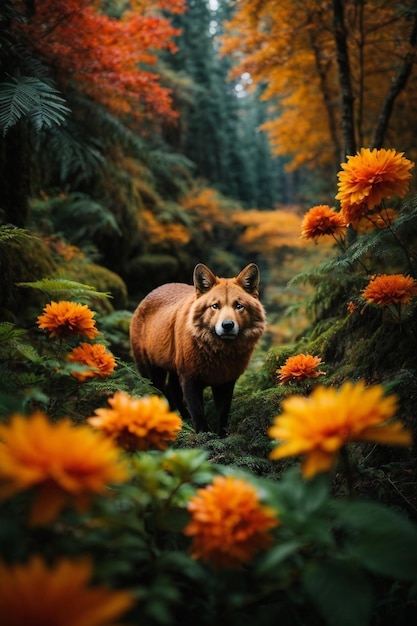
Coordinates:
390 289
138 423
354 213
228 523
299 367
68 463
97 357
39 594
321 220
65 319
319 425
369 177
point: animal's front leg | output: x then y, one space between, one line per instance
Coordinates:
193 396
222 395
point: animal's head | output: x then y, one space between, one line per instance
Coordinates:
229 307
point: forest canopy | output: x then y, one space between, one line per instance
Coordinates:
358 57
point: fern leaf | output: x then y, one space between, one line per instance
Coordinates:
29 97
8 232
75 156
59 288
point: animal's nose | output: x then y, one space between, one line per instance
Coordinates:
228 325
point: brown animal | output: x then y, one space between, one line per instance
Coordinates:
185 338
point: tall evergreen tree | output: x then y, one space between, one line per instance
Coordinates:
219 129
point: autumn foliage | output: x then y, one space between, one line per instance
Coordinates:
291 48
107 58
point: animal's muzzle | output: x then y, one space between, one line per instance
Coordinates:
227 329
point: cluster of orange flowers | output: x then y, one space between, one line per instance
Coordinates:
299 367
69 319
69 464
229 525
319 425
366 179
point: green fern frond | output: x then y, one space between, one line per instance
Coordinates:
8 332
11 342
110 126
171 170
61 288
375 244
78 217
31 98
336 265
75 156
8 232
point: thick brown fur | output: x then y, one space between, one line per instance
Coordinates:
185 338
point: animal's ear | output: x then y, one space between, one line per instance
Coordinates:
204 279
249 279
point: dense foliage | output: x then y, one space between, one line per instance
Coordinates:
126 158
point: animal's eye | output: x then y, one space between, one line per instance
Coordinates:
239 306
215 305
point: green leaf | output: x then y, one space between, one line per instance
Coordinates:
341 593
383 540
274 557
10 232
29 97
60 288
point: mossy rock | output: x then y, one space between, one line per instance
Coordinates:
102 279
147 271
26 260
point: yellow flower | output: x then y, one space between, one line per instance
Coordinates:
67 463
138 423
369 177
35 594
319 425
65 319
229 526
97 357
321 220
299 367
390 289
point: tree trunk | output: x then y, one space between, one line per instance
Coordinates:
397 85
342 56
